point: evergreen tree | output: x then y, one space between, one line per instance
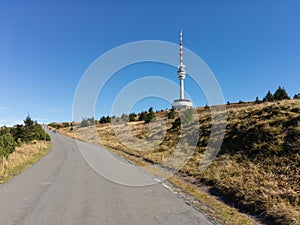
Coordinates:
297 96
171 114
142 115
104 119
269 97
149 116
7 146
132 117
28 121
257 101
108 119
18 133
31 131
280 94
150 110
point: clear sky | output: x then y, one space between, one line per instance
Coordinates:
46 46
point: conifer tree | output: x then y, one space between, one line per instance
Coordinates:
7 146
297 96
28 121
280 94
269 97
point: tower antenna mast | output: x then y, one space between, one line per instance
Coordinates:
181 48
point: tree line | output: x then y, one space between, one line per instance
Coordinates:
279 94
147 116
11 137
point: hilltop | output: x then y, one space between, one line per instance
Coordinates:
257 169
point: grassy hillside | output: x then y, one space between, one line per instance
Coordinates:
258 166
257 169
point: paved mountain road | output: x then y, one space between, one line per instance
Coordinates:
62 189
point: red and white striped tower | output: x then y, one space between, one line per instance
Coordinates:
181 103
181 71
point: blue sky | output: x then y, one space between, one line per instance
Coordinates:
46 46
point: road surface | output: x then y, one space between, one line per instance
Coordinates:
63 189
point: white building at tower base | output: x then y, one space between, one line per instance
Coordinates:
182 104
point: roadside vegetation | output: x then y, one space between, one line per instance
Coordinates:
256 171
24 156
20 146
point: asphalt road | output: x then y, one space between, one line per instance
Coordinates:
63 189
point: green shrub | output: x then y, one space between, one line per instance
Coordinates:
7 145
104 119
172 114
87 122
132 117
55 125
66 124
147 116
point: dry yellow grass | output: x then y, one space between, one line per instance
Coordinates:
256 170
24 156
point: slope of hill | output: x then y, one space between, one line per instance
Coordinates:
258 167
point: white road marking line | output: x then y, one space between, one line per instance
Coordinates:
166 186
157 180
